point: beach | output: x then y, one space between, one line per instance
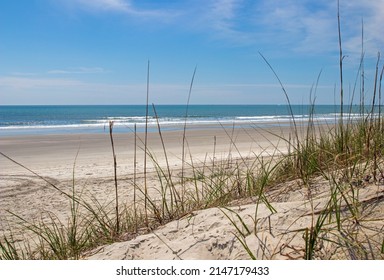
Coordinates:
84 163
91 154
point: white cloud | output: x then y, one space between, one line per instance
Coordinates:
320 33
302 26
221 19
24 90
79 70
223 13
372 13
124 7
299 25
23 74
17 90
28 83
106 5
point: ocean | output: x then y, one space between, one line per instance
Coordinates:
95 119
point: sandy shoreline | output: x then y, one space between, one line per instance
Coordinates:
87 158
55 155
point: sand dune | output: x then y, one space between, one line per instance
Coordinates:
209 234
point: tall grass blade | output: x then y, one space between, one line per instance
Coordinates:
185 127
341 58
145 151
134 177
115 178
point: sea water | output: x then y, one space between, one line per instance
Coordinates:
96 119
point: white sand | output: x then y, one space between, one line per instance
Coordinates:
209 234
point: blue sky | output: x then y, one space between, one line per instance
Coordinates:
96 51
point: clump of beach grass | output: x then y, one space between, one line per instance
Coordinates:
346 155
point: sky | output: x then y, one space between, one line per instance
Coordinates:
55 52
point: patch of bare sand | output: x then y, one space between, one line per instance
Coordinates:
210 234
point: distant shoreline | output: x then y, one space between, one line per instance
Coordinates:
36 120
